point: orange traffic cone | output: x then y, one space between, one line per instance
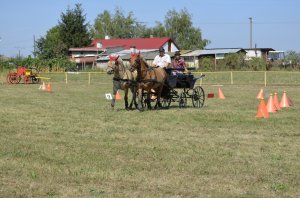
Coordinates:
260 94
221 95
118 96
262 110
285 101
270 105
276 103
49 88
44 88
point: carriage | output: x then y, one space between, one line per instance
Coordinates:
29 75
153 84
180 88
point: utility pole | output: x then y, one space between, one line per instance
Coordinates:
250 32
34 46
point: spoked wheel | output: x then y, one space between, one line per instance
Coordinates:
35 80
182 100
13 78
198 97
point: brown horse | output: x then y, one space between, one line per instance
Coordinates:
148 78
123 79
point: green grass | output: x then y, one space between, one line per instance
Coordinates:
70 144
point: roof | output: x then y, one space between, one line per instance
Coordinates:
83 49
260 49
139 43
214 51
124 54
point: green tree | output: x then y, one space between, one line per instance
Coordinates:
51 45
292 59
180 28
73 28
116 25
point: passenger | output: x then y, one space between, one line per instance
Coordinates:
162 60
179 64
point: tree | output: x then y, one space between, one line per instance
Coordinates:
72 31
115 25
73 28
51 45
103 25
293 59
180 28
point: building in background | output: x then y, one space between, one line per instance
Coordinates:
94 55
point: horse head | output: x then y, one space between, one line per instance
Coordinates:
112 64
135 61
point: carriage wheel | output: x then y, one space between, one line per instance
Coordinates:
198 97
35 80
182 100
27 79
8 78
13 78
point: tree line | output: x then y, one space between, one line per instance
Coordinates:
72 30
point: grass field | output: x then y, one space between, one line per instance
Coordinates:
70 144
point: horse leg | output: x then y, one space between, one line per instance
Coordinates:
115 89
126 98
140 92
158 104
149 99
133 99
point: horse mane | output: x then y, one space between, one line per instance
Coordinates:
145 62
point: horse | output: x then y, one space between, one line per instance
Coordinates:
123 79
148 78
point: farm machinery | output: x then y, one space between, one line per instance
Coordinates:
28 75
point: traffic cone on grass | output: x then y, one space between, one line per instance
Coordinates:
260 94
270 105
221 95
49 88
44 88
276 103
285 101
262 110
118 96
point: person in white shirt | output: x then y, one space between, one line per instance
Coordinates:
162 60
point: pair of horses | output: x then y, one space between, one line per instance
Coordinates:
139 77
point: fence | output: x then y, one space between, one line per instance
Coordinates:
262 78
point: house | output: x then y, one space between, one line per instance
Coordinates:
193 58
258 53
88 56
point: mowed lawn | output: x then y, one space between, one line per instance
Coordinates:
70 144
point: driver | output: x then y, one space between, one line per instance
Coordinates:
162 60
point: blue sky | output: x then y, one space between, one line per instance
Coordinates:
276 23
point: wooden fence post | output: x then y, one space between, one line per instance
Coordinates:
66 77
265 78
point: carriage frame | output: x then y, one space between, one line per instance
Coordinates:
28 75
179 88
